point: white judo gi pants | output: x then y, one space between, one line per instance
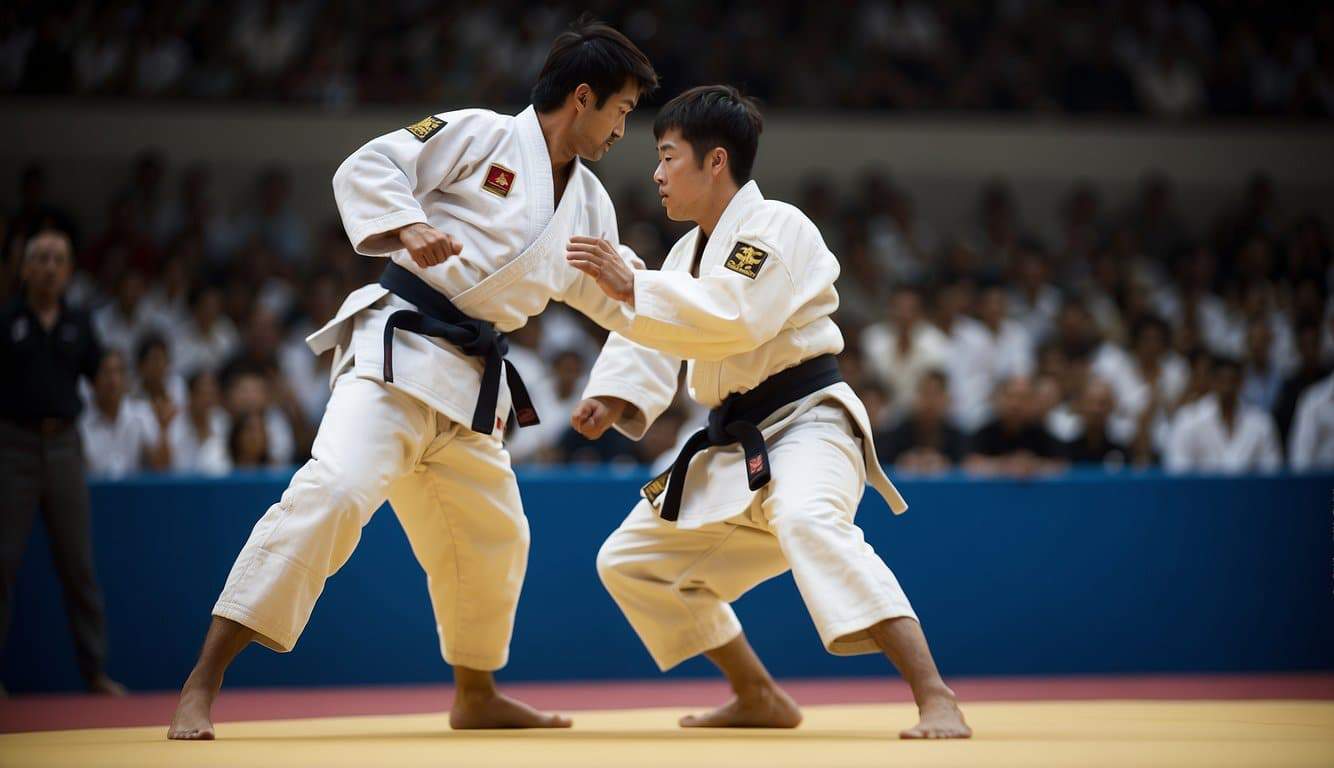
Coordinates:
675 584
453 491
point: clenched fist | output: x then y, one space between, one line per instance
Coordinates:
427 245
594 416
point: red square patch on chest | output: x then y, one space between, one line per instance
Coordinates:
499 180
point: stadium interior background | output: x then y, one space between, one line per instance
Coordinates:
1052 218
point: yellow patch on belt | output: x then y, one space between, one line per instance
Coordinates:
746 259
656 486
425 128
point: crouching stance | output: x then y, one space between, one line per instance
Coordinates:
471 211
774 480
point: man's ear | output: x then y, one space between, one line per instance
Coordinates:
583 96
717 160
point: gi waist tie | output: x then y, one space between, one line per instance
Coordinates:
436 316
735 420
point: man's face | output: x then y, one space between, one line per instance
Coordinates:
204 397
596 129
1227 381
109 384
933 398
1096 403
47 264
906 308
1014 403
683 185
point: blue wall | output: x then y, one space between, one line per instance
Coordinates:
1087 573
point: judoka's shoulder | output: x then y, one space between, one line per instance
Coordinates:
475 120
779 220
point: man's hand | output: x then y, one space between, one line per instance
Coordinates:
599 260
427 245
594 416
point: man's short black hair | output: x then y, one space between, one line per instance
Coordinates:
712 116
591 52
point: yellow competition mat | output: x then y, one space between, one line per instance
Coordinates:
1027 734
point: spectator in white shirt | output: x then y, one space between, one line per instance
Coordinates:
120 436
1311 445
209 339
985 354
249 390
1262 380
1148 381
1220 433
248 441
123 323
157 384
898 351
565 382
198 437
1034 302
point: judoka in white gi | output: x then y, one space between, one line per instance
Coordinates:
472 211
746 299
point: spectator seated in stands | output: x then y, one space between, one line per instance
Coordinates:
924 442
898 351
1220 433
1094 443
157 385
1310 369
121 436
1312 443
1015 443
199 436
248 442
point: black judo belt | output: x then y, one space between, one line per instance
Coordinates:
735 419
436 316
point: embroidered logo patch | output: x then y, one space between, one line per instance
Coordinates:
655 487
499 180
425 128
746 259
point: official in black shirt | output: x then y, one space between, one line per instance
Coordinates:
924 442
1015 443
1094 445
45 346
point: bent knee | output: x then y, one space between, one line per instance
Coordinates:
611 561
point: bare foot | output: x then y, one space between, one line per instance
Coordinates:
768 707
493 710
941 718
105 686
192 721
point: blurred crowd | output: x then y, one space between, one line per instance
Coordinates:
1128 339
1169 58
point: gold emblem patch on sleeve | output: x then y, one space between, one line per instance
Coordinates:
425 128
654 488
746 259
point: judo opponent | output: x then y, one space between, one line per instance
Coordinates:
773 481
471 211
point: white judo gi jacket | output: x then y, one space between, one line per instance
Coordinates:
761 304
486 180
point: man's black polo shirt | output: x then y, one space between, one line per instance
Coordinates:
41 368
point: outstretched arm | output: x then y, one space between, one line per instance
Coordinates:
730 310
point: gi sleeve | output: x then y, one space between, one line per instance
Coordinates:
582 293
379 187
732 309
643 377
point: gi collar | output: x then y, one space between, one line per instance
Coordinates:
744 199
